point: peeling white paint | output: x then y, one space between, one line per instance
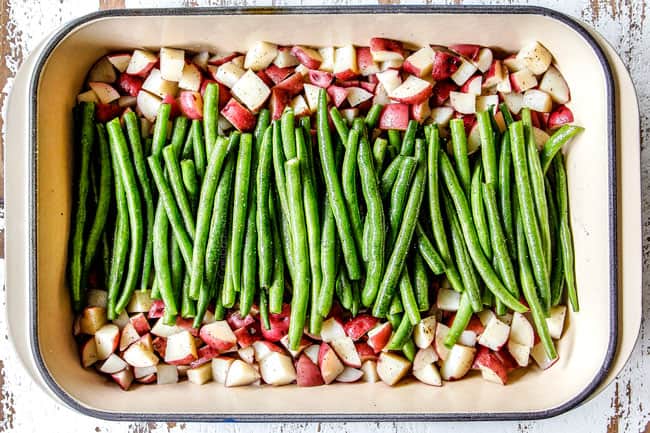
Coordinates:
623 406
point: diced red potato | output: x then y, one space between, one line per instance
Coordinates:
366 353
279 325
345 63
347 352
465 70
421 111
148 105
218 335
141 63
359 326
277 369
448 300
113 364
458 362
91 320
555 322
537 100
504 86
140 323
473 85
429 375
381 96
312 352
379 336
332 329
329 363
423 357
107 339
441 115
391 368
251 91
337 94
439 341
394 116
145 374
127 101
484 103
389 79
200 59
492 369
467 338
495 334
412 91
285 59
350 375
420 63
119 60
307 56
260 55
521 331
367 65
121 320
147 342
424 332
535 57
247 354
304 343
293 85
87 96
181 349
241 374
157 309
265 348
106 112
278 102
130 84
123 378
88 353
221 58
277 74
464 103
161 329
190 78
560 116
205 354
522 80
300 107
220 367
554 84
513 63
239 116
227 74
513 101
369 369
391 64
157 85
166 374
187 324
470 51
327 54
102 72
172 62
104 91
307 372
320 78
445 64
386 49
484 59
128 336
495 74
350 114
138 355
357 96
519 352
538 353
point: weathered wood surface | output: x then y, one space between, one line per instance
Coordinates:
623 407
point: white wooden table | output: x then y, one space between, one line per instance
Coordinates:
623 407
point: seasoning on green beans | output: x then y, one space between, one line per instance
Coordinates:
459 144
264 231
349 180
178 188
240 206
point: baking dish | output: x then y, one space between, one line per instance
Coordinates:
38 197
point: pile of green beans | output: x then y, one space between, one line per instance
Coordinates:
338 215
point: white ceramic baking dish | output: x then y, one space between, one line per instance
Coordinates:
603 167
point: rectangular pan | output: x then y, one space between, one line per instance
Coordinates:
586 350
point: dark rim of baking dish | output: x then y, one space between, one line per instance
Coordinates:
305 417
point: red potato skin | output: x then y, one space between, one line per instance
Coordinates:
364 58
383 44
378 341
560 116
357 327
147 342
370 87
186 325
265 77
320 78
191 104
349 83
106 112
151 378
486 358
418 97
239 116
157 309
221 60
129 84
444 65
173 103
304 58
394 116
206 353
160 346
124 378
279 100
466 50
277 74
308 373
140 323
420 111
465 87
442 89
236 321
279 325
293 85
346 75
337 94
475 325
187 360
248 335
506 359
365 352
219 345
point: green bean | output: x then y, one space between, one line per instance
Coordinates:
459 142
264 310
276 290
134 207
375 220
539 197
328 255
215 249
525 199
349 178
249 258
408 143
503 263
203 218
372 117
264 233
179 133
263 122
344 289
205 297
190 181
398 197
86 141
427 252
407 295
171 209
478 212
228 293
379 152
160 129
356 298
312 221
120 241
507 116
106 255
557 268
288 130
211 112
97 228
397 258
280 185
396 306
198 148
461 320
334 190
188 146
178 188
177 267
161 260
505 192
528 285
557 141
421 282
562 194
240 206
394 142
389 175
488 147
219 309
463 257
409 349
188 306
401 334
469 232
339 124
302 281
